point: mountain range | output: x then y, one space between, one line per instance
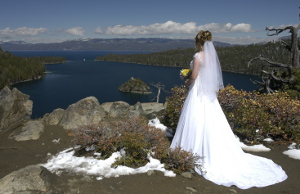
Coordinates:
138 44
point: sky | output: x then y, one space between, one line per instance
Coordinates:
230 21
65 161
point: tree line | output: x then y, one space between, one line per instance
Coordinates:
233 59
14 69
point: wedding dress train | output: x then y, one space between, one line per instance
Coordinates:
204 129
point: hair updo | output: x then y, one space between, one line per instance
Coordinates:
203 36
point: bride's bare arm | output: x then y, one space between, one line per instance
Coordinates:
195 72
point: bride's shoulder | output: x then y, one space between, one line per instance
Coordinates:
199 55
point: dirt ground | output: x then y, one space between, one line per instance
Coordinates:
16 155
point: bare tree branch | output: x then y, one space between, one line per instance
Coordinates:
159 88
269 62
278 30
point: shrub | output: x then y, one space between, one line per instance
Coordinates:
180 161
137 139
100 138
256 116
174 106
252 115
293 88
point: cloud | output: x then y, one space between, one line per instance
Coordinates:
99 30
76 31
171 27
24 31
241 28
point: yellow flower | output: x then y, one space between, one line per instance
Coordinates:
185 73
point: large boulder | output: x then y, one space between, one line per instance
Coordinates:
87 111
136 110
15 108
54 118
153 109
119 109
31 130
31 179
122 109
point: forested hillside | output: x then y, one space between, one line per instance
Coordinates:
14 69
234 59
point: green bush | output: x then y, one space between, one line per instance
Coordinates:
252 115
256 116
293 88
174 106
180 161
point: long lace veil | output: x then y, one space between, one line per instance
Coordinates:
211 73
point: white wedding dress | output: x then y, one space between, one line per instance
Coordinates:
204 129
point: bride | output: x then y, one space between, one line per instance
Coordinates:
204 130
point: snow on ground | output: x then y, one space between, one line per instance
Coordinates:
293 152
253 148
66 161
156 123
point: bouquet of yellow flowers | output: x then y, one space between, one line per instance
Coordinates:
185 74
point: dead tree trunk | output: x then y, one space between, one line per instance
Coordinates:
293 46
270 75
159 88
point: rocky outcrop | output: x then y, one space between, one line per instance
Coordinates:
135 85
15 108
119 109
54 118
32 179
122 109
85 112
153 109
31 131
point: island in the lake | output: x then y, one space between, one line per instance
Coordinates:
135 85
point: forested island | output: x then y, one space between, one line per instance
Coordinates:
233 59
14 69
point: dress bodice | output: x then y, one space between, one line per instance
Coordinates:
198 56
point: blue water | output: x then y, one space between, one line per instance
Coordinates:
81 77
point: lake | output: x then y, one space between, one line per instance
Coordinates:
81 77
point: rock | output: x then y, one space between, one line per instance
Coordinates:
135 85
191 189
15 108
54 118
33 178
85 112
31 131
153 109
119 109
150 172
106 106
232 191
187 175
136 110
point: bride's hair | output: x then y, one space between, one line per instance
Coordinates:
202 36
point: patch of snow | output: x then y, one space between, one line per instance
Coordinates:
268 139
293 152
66 161
156 123
253 148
